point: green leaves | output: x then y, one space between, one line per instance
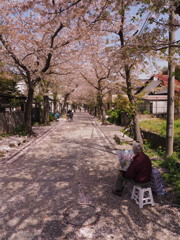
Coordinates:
7 84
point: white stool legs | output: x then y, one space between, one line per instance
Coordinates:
142 196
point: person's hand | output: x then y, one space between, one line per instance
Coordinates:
132 158
121 172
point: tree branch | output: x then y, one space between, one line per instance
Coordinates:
73 4
48 61
14 57
88 81
55 34
49 57
122 75
100 14
120 33
60 74
27 56
161 23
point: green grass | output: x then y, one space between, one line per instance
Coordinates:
172 165
158 126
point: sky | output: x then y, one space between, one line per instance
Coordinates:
161 63
143 22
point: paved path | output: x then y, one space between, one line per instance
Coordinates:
60 188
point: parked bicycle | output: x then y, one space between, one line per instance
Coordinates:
129 131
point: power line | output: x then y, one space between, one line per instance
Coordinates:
145 23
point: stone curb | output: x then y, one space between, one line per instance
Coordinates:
24 146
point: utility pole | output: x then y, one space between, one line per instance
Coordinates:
171 80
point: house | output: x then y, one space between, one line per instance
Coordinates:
154 95
10 103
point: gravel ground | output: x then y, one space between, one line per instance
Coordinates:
59 187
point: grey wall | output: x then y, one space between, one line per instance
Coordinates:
10 120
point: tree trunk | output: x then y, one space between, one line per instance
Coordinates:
64 103
46 110
127 69
170 101
55 105
95 111
28 112
101 109
103 115
98 107
137 131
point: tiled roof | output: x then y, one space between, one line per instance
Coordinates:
162 90
151 86
164 79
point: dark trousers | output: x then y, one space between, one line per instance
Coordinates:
120 181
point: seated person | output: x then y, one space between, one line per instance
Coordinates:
139 170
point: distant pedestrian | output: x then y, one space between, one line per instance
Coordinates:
68 115
71 116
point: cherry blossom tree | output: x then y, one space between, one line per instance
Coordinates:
38 38
86 95
34 36
125 56
130 43
97 73
170 24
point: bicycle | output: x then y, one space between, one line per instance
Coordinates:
129 130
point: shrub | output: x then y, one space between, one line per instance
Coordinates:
146 112
114 116
171 164
20 130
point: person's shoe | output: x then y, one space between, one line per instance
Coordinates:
117 192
